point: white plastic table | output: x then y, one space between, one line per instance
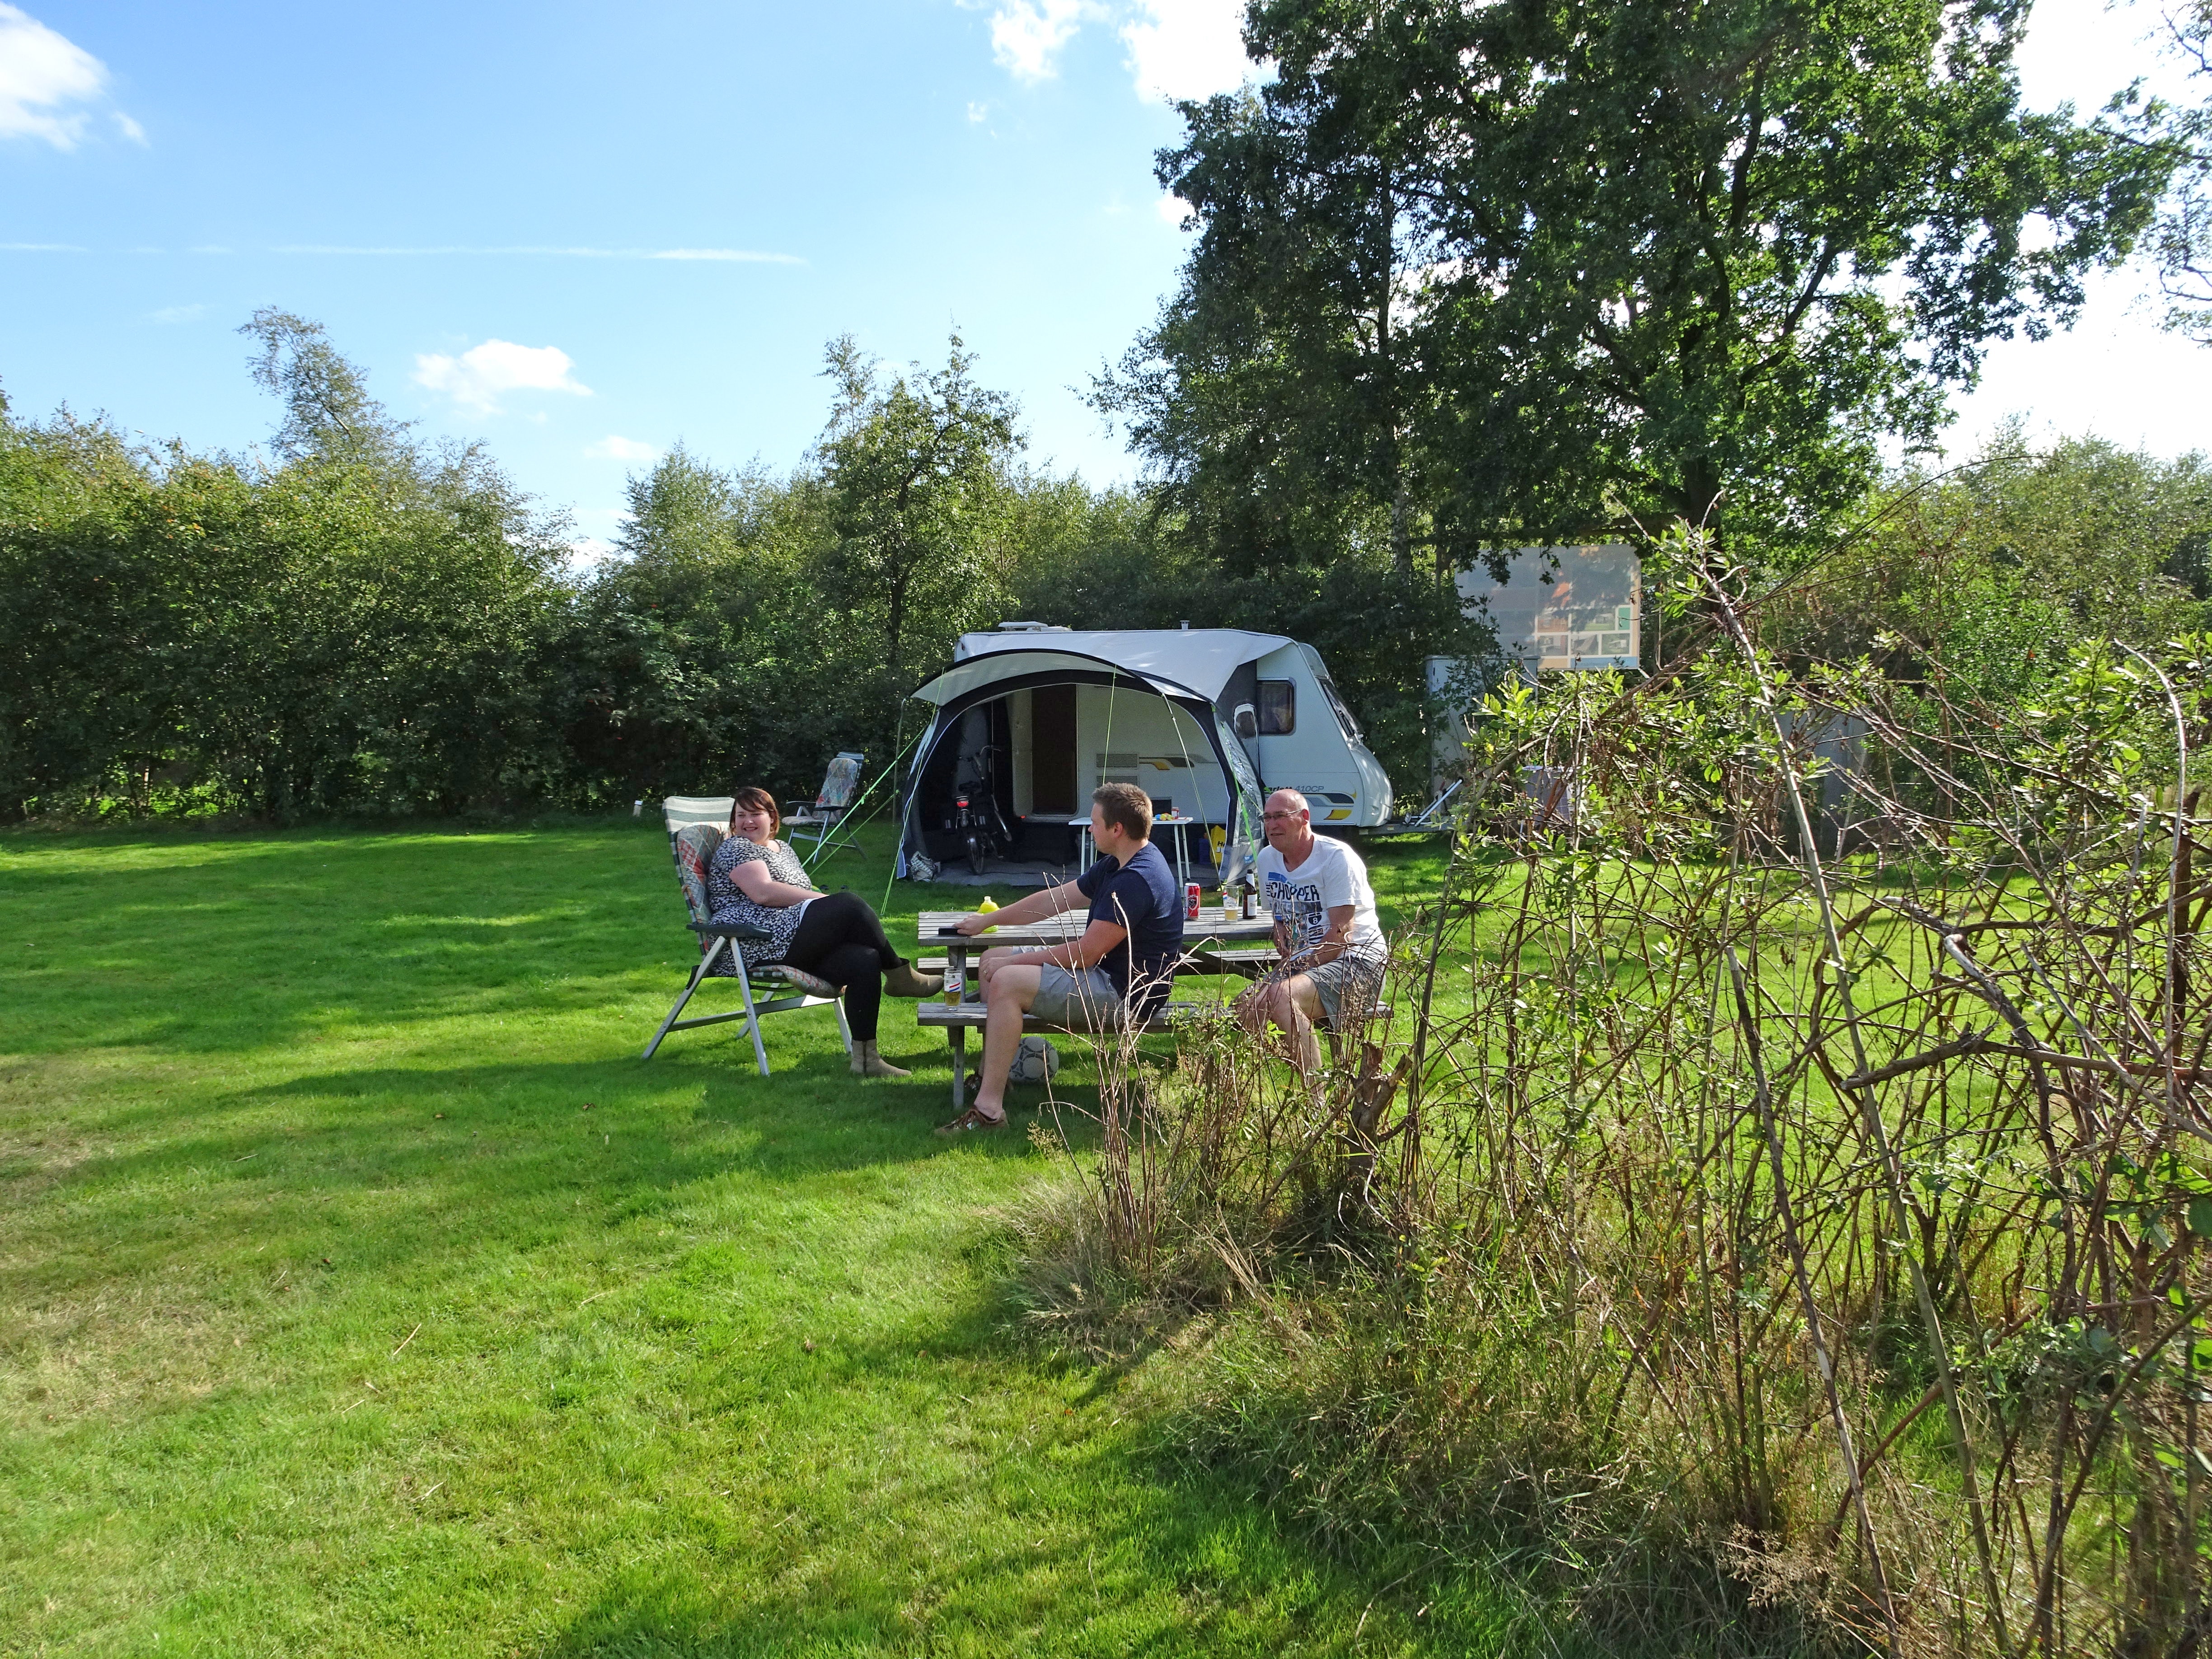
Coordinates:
1087 854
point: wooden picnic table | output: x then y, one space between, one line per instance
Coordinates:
1209 928
1053 930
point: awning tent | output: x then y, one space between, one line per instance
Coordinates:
1200 674
1199 662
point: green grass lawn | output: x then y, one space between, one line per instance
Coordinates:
361 1292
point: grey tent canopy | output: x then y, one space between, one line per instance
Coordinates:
1204 674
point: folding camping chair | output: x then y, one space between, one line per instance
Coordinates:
840 784
695 831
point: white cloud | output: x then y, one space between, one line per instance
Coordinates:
44 78
1187 48
1026 35
1177 48
1173 210
479 376
615 448
978 111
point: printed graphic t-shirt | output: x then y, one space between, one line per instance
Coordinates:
1142 897
1301 899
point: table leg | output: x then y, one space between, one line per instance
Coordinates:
955 956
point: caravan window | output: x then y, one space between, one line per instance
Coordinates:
1278 708
1329 690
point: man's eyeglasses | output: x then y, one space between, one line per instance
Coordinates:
1277 817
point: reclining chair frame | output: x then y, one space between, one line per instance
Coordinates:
795 988
733 938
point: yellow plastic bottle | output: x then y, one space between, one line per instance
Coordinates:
989 905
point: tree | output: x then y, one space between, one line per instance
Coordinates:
914 472
1537 268
2185 220
706 655
361 628
328 412
2000 571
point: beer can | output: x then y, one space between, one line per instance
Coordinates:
1190 902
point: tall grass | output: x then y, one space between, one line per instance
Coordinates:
1791 1231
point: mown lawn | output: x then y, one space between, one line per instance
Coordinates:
361 1292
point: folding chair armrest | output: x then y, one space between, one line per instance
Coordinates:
743 932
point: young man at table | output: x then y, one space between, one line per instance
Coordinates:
1333 952
1118 970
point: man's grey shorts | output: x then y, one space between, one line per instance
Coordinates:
1082 1001
1350 986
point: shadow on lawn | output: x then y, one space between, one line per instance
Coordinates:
680 1122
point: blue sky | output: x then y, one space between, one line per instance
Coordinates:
582 233
901 170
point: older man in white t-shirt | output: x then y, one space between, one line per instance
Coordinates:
1333 951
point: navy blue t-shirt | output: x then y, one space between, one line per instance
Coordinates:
1142 898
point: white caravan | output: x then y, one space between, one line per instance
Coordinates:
1030 718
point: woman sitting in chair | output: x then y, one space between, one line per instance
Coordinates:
754 877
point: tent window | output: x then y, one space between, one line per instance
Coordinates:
1278 708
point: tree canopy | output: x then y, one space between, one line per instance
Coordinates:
328 413
2185 133
913 468
1468 275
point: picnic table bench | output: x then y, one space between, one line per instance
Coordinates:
956 1020
1211 945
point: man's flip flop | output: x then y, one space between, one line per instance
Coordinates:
970 1121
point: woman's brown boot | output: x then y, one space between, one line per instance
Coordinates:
903 981
866 1062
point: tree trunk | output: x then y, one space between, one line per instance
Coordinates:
1700 494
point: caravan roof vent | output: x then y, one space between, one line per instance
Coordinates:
1031 628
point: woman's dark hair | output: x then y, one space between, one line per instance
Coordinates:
758 800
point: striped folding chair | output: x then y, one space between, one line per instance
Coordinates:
819 822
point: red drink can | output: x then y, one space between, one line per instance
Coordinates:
1190 902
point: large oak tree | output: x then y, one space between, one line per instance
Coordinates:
1479 273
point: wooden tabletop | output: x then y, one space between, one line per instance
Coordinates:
1070 924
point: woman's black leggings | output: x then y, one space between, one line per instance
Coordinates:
840 938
